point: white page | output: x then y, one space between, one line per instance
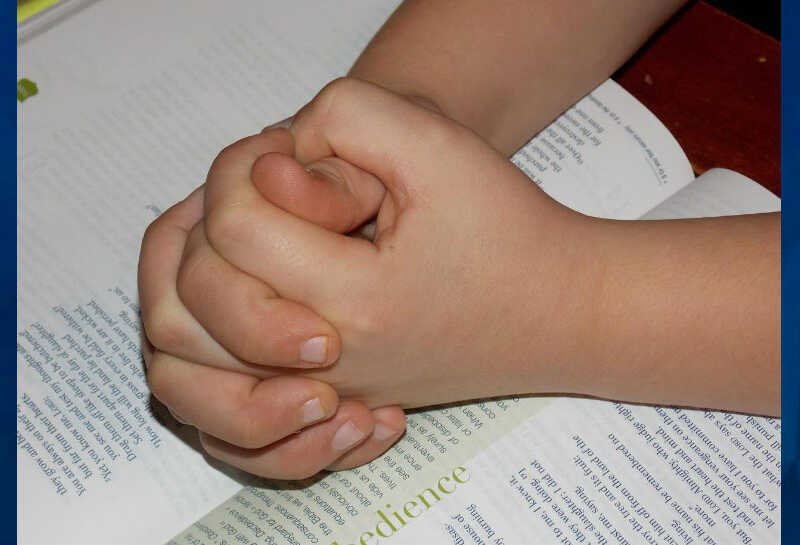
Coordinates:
558 470
595 472
606 156
135 100
717 192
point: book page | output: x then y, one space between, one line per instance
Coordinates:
717 192
516 471
135 100
606 156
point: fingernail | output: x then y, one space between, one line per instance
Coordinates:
283 123
311 412
346 436
382 432
314 350
325 172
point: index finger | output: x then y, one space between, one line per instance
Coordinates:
161 309
298 258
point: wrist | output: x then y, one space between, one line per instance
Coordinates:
561 304
599 316
579 342
686 313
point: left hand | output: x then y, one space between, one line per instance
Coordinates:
242 401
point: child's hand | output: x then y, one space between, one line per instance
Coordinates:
267 411
445 305
450 302
477 284
475 277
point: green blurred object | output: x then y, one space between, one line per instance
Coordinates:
29 8
26 89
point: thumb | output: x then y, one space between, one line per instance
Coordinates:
330 192
406 145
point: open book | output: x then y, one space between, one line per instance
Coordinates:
134 101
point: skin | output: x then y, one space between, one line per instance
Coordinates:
417 297
506 72
256 412
443 293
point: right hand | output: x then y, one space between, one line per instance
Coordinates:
452 301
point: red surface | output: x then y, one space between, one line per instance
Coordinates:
714 82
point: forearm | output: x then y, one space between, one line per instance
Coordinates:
687 313
506 69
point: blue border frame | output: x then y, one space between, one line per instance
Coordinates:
8 276
790 169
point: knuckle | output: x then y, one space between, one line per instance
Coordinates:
194 275
153 235
371 316
152 231
232 153
250 431
333 96
339 87
254 342
227 224
158 379
375 312
166 329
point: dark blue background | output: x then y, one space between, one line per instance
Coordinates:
8 275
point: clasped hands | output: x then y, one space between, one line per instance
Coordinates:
293 345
